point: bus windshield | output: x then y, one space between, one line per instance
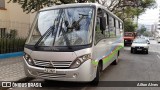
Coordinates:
62 27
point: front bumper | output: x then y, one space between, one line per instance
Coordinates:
128 41
85 73
139 48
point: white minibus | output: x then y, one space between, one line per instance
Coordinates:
73 42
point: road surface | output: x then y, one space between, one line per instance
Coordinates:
131 67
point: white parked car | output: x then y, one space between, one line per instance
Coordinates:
146 38
151 38
140 45
158 39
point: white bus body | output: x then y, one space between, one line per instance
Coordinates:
67 43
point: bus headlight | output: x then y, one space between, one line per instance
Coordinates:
29 59
80 60
26 56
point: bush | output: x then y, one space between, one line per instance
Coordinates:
129 26
8 45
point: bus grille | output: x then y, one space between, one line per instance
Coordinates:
139 47
51 75
52 64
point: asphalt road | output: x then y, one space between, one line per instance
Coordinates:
131 67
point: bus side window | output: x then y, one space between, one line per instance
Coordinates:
121 28
106 32
98 33
117 28
120 25
111 27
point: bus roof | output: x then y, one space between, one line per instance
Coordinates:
82 5
70 5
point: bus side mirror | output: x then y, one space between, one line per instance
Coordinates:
103 23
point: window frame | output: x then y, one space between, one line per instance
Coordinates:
98 16
2 5
2 32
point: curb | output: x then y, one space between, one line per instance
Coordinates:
9 55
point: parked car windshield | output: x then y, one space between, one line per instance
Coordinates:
140 41
63 27
128 34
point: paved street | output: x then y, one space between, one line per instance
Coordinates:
131 67
11 69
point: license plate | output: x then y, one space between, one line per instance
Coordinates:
139 49
46 70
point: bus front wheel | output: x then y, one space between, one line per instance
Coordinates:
96 79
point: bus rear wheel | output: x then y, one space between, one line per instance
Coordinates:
115 62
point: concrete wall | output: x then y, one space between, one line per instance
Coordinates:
14 18
32 16
4 17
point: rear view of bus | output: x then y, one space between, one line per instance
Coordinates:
61 44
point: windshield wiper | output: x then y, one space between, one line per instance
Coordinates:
75 24
51 29
64 35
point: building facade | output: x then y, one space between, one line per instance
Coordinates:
12 18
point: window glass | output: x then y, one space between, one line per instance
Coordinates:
117 24
106 32
111 21
98 33
118 28
63 27
2 32
114 22
121 26
2 3
111 27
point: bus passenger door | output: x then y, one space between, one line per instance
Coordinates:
101 43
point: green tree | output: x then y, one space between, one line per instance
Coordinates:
35 5
116 6
147 33
129 26
128 10
125 9
141 30
123 5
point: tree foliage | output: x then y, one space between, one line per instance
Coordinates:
128 10
125 9
147 34
132 8
35 5
129 26
141 30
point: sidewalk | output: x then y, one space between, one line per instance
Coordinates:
11 69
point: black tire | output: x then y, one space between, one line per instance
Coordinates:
124 43
147 52
134 51
96 79
131 50
115 62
